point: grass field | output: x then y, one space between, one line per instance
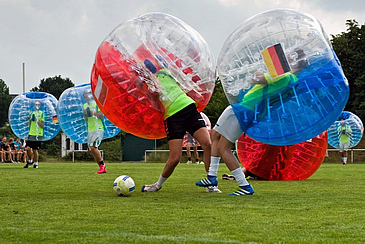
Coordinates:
68 203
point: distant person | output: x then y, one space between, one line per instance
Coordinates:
12 150
95 128
344 132
36 124
20 152
6 150
2 153
191 143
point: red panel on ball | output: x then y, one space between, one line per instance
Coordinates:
294 162
128 104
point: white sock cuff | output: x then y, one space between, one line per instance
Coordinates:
161 180
239 176
214 165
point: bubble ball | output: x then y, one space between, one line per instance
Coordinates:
125 89
353 125
208 125
28 108
71 118
294 162
281 76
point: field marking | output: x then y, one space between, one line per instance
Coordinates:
128 234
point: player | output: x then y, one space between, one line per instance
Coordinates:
95 128
36 124
181 116
344 132
229 125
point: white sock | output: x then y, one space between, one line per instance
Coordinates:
30 160
344 159
35 163
214 165
161 180
239 176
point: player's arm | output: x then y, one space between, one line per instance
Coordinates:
348 131
258 78
84 113
40 121
98 113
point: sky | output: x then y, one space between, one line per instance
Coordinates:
54 38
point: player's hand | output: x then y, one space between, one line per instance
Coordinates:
88 112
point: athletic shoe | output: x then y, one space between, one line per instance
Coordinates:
209 181
189 162
201 162
102 169
243 190
228 177
213 189
28 164
344 164
35 166
196 162
151 188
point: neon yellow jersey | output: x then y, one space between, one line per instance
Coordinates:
35 129
257 93
343 131
93 122
172 98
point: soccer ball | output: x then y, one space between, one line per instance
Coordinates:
124 186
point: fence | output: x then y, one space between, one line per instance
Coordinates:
73 153
184 150
351 152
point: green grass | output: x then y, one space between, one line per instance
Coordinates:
68 203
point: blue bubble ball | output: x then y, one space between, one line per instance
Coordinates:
352 122
282 78
22 115
71 118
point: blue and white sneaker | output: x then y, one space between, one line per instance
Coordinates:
151 188
243 190
213 189
209 181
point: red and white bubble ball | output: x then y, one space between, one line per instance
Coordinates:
122 85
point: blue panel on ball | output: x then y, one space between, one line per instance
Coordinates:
28 111
71 117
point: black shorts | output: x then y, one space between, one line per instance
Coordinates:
32 143
186 120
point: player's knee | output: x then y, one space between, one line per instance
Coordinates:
174 159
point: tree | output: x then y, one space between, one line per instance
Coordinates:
5 100
349 47
54 85
218 102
